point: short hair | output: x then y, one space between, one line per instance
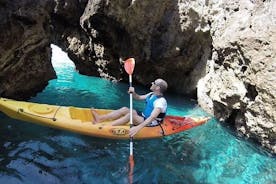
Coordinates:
162 84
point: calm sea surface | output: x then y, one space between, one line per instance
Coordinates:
211 153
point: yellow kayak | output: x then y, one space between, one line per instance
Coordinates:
79 120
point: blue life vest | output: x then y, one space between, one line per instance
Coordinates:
149 107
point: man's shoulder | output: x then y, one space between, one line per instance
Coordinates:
162 99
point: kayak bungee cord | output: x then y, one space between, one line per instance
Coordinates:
21 110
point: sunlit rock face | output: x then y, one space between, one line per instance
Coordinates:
240 85
221 51
25 66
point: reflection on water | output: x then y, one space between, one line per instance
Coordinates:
207 154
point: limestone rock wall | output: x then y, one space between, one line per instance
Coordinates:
240 85
25 66
167 39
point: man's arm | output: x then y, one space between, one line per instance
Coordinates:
135 95
154 114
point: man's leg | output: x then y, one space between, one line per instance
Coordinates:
126 118
122 120
110 116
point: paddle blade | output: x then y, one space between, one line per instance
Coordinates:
131 168
129 65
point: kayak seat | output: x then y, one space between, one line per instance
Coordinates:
84 115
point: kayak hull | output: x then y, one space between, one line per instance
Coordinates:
79 120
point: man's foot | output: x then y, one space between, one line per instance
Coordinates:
96 118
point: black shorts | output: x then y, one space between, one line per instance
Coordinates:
152 124
141 114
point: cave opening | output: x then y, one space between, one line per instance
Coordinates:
61 61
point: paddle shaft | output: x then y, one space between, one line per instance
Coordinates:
131 116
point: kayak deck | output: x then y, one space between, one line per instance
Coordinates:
80 120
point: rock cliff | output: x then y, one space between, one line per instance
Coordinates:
221 51
240 83
25 55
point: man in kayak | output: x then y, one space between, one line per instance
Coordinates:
153 114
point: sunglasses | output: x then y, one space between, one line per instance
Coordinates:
154 83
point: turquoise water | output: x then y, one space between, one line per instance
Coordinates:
211 153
